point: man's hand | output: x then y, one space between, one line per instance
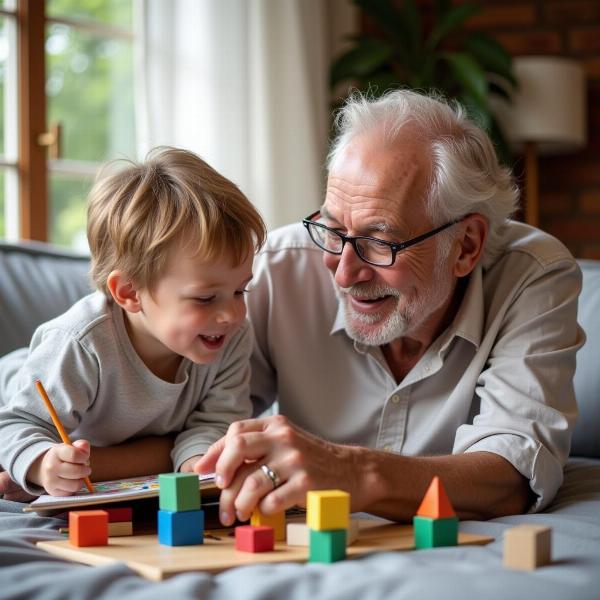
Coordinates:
301 461
9 490
61 469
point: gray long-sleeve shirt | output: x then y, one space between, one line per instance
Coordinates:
104 393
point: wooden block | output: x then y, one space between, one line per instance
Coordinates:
182 528
179 492
298 534
327 546
435 503
352 533
254 538
88 527
120 515
276 521
527 547
120 528
434 533
327 510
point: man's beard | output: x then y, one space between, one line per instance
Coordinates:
378 329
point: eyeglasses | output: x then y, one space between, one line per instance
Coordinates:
372 250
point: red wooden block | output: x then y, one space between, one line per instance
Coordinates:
120 515
88 527
254 538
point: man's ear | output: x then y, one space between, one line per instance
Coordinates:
123 291
471 243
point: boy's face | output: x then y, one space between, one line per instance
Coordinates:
195 307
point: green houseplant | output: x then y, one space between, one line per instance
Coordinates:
437 55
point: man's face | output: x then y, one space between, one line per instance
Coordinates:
195 306
379 191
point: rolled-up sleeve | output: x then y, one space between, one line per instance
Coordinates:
527 402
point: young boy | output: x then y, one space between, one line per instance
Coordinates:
162 346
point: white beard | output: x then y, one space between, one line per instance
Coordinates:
378 329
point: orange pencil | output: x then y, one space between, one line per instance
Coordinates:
59 426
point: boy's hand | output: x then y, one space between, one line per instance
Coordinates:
9 490
60 470
188 465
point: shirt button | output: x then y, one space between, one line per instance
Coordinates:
395 398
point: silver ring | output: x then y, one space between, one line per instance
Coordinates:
271 475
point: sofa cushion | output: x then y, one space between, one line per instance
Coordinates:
586 438
37 283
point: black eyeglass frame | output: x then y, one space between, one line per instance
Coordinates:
352 239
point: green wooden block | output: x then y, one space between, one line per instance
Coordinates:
327 546
179 492
433 533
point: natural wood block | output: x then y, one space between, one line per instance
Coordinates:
527 547
179 492
327 510
327 546
298 534
182 528
88 528
434 533
276 521
120 528
254 538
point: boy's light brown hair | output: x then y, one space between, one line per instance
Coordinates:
136 214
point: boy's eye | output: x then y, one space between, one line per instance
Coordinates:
241 292
204 300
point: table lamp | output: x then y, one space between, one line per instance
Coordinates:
547 116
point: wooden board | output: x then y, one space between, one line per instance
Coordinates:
144 554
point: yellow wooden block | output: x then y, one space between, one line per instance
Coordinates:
276 521
327 509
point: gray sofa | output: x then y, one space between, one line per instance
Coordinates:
38 282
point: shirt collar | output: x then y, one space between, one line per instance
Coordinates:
467 324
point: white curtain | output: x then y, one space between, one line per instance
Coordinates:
243 83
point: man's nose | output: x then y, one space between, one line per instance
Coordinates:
347 268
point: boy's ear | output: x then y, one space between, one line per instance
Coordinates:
472 242
123 291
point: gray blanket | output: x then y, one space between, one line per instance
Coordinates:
443 573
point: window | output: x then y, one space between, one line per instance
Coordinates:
84 77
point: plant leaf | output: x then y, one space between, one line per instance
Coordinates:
390 20
442 7
379 83
451 20
412 18
468 74
491 55
366 57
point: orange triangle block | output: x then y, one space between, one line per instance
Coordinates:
436 504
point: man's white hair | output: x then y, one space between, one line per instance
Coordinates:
466 175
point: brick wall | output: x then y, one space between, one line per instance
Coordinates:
570 184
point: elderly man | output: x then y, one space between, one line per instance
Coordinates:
408 329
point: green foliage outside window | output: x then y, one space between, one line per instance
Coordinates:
89 87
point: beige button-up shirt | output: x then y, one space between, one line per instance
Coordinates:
498 379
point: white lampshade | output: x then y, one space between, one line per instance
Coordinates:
549 107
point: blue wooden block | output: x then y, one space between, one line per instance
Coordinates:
184 528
